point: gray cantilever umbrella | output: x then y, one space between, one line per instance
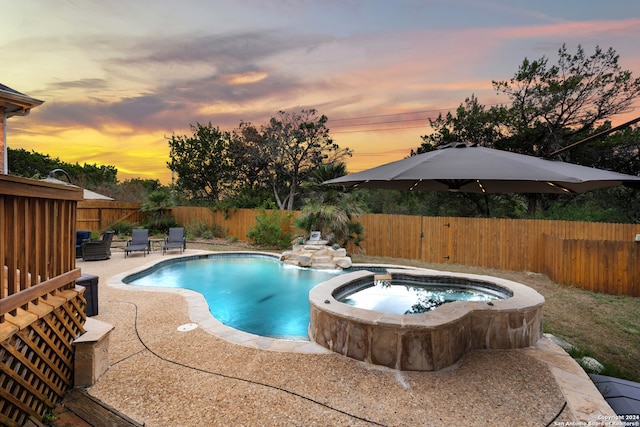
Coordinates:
472 169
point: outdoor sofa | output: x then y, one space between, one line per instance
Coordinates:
96 250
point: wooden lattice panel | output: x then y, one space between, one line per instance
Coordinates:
36 362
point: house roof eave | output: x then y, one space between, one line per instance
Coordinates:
16 103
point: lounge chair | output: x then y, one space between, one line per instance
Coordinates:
176 240
81 236
96 250
139 242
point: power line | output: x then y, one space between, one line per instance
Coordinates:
423 119
387 122
378 130
440 110
380 123
389 115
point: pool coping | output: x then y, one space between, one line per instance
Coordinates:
585 402
199 309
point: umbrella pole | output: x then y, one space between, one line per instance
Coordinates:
486 202
532 205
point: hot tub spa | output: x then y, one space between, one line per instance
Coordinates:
510 317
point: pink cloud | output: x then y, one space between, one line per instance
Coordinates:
571 29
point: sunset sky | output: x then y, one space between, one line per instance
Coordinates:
120 76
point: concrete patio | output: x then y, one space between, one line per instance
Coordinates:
211 375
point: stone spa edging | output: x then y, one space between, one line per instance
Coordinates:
427 341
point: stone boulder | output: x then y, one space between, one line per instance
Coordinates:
314 255
342 261
305 260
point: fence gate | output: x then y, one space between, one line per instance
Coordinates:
437 239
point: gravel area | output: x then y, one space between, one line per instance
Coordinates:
160 376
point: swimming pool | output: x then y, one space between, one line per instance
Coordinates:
253 293
271 300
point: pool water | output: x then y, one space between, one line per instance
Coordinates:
398 298
255 294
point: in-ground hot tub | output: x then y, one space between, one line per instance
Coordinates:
430 340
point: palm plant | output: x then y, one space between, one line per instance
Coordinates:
330 208
157 205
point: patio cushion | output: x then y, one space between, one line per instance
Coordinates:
81 236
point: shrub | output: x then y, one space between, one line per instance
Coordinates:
160 225
198 229
121 228
272 229
218 231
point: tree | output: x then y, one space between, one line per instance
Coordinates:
553 106
550 104
251 187
31 164
619 151
297 143
37 166
331 209
131 190
471 123
157 205
202 162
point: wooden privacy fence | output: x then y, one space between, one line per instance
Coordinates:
41 309
601 257
606 266
98 215
236 223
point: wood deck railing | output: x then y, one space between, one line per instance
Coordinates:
41 309
38 224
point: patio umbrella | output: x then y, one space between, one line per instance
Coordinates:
472 169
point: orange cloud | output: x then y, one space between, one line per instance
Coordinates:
137 155
245 78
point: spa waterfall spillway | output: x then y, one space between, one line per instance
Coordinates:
426 341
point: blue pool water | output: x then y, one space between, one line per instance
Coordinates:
255 294
402 298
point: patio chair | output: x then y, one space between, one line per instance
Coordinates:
139 242
176 240
81 236
96 250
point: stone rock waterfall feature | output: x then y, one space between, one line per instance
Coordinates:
317 254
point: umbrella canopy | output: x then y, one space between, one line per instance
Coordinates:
472 169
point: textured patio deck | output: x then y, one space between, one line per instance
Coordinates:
160 376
